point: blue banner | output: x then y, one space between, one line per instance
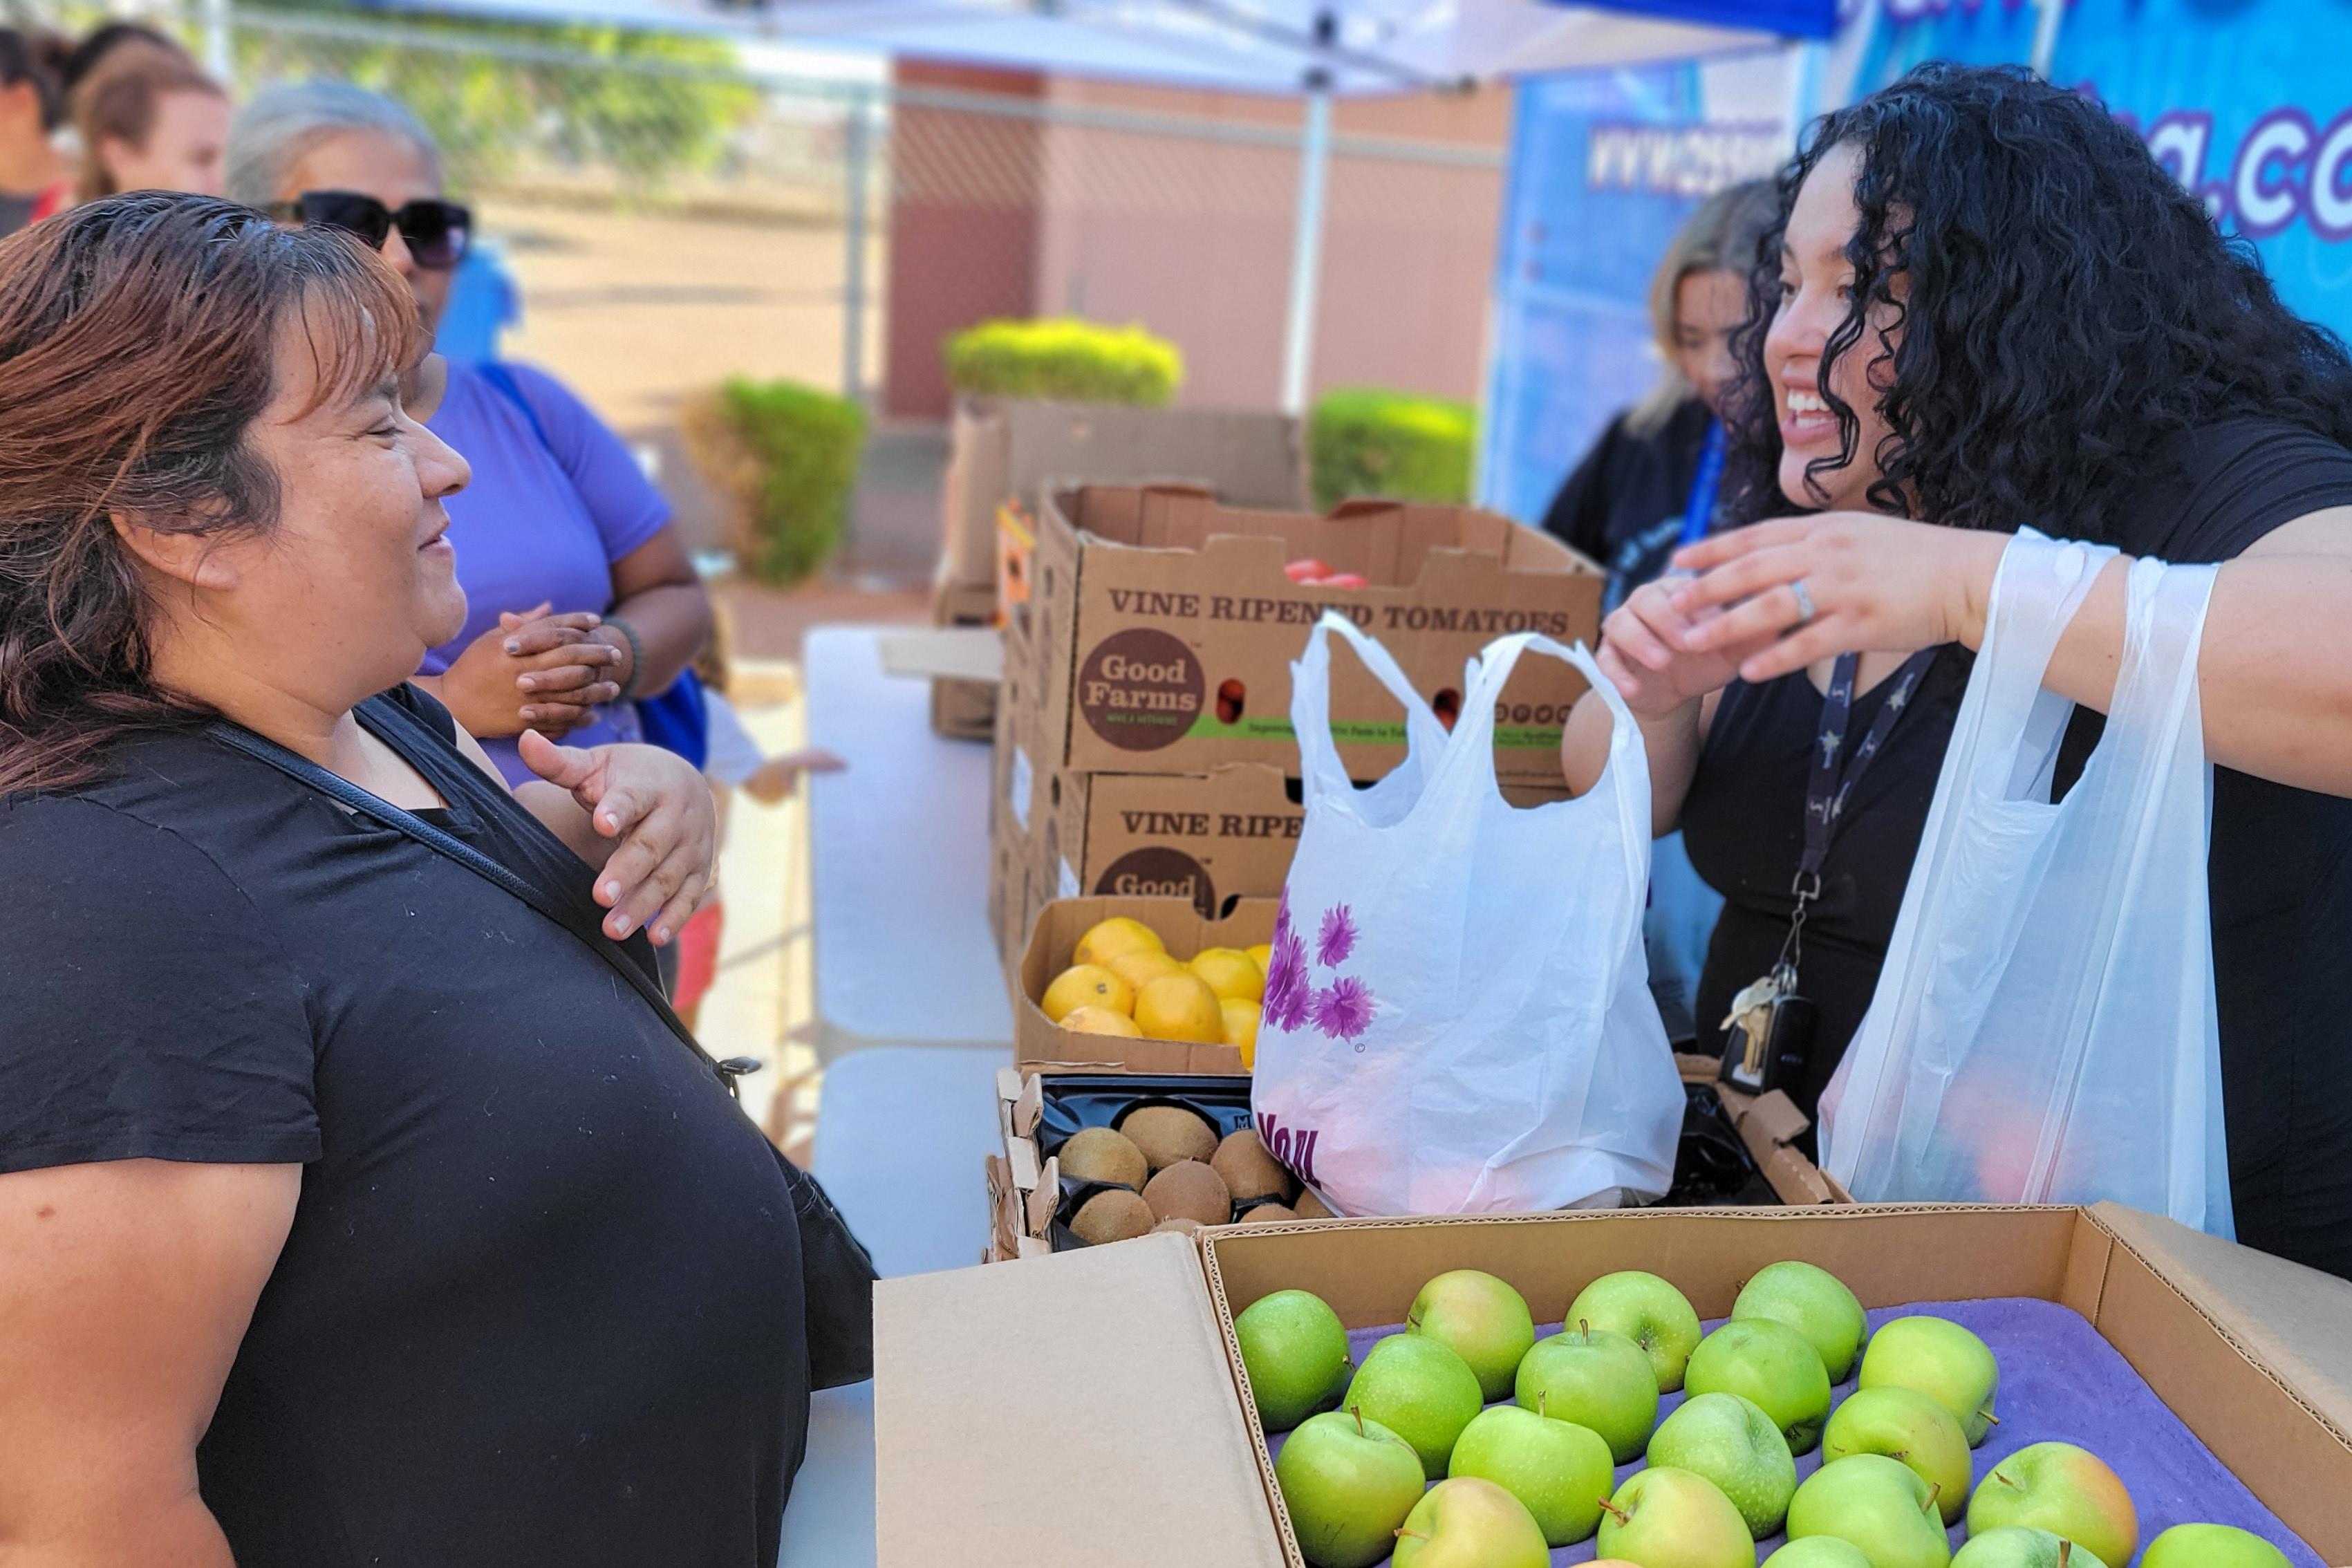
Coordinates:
1605 168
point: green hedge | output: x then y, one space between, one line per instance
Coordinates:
1064 360
1367 441
786 455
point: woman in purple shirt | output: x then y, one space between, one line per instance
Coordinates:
580 596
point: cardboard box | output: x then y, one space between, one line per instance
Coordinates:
1161 628
1002 450
1150 1456
963 709
1042 1045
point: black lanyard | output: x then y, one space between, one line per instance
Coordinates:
1835 772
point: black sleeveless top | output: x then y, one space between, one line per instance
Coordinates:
540 1302
2281 867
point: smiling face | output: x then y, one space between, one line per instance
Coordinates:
395 173
1816 296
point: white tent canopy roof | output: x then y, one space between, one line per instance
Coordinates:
1260 46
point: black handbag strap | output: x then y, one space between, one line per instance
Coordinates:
346 794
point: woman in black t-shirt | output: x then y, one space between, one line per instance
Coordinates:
1991 308
350 1211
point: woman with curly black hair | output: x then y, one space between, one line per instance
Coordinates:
1985 306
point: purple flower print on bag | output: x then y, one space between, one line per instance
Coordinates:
1343 1009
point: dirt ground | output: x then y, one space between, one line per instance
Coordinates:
640 311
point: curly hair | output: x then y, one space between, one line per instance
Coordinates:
2071 312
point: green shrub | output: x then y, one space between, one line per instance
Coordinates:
786 456
1366 441
1064 360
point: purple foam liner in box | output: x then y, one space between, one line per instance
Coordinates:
2060 1382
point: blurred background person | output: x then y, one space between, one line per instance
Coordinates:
1650 485
583 602
32 107
156 123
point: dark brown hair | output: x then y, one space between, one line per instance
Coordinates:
122 105
138 346
39 59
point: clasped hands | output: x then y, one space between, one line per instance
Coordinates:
1728 610
536 670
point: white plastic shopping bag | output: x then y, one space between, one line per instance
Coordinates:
1458 1018
2044 1030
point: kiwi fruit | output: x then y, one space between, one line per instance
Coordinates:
1169 1135
1190 1190
1249 1172
1099 1154
1309 1207
1177 1225
1113 1214
1266 1214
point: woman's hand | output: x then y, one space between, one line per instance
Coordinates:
534 671
1878 584
1647 653
654 828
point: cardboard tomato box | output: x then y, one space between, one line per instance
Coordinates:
1001 450
963 709
1161 626
1041 1043
1117 1366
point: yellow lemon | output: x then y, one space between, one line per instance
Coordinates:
1087 985
1140 968
1099 1021
1109 938
1180 1007
1230 972
1264 953
1241 1029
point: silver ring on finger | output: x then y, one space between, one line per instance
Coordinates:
1804 602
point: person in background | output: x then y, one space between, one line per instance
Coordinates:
1652 483
1987 307
156 124
580 596
32 106
1649 484
734 760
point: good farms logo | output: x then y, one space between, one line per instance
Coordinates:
1160 873
1141 690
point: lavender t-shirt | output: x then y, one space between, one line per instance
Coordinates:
541 519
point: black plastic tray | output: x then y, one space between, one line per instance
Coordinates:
1712 1164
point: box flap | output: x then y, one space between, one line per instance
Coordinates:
1061 1351
2295 1321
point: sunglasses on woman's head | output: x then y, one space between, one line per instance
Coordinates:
435 232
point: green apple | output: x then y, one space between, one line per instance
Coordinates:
1470 1523
2014 1546
1813 1301
1666 1518
1419 1390
1818 1552
1728 1439
1877 1504
1647 1310
1942 1361
1905 1424
1772 1364
2063 1489
2211 1546
1348 1484
1293 1347
1480 1319
1595 1379
1560 1470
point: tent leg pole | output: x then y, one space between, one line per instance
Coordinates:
1307 250
2045 36
855 157
220 57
